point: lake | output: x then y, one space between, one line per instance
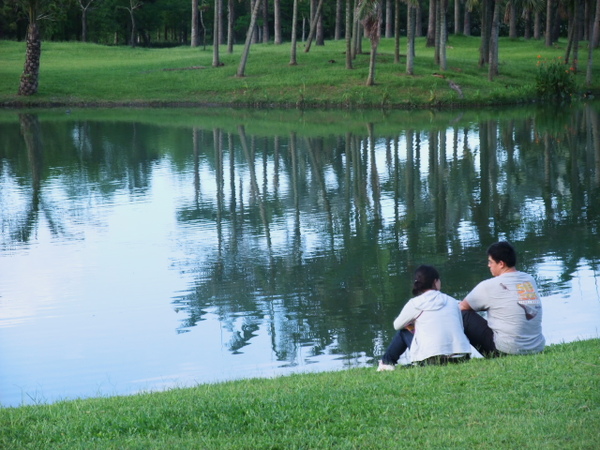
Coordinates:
147 249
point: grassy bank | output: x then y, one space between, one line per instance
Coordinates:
550 400
89 74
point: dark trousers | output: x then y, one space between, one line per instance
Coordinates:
480 335
402 340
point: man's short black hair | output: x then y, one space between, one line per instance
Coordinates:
503 251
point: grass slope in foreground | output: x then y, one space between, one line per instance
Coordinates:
549 401
88 74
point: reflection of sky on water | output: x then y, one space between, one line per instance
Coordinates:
109 321
100 326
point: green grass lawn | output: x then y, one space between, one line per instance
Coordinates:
88 74
545 401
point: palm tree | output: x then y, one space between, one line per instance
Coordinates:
31 70
370 12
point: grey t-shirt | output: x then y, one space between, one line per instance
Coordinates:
514 311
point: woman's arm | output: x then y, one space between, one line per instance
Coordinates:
408 315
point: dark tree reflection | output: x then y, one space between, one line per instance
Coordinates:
320 253
311 232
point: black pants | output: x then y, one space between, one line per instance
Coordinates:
480 335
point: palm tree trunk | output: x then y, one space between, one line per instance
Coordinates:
443 34
493 67
277 22
31 71
397 31
549 14
410 37
230 24
313 26
431 24
457 23
216 62
594 38
195 15
348 34
294 43
242 67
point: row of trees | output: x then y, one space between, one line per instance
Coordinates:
171 21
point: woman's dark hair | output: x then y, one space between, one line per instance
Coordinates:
425 277
503 251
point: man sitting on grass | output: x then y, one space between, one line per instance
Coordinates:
513 305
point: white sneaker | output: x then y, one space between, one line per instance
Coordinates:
385 367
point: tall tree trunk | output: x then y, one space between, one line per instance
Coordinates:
84 24
195 19
594 37
578 24
132 38
337 35
418 19
457 21
512 19
313 27
277 22
495 29
467 22
397 31
348 35
389 21
294 38
411 13
487 12
230 25
549 15
33 52
438 24
527 17
537 25
443 34
216 62
431 26
265 28
320 36
593 40
242 67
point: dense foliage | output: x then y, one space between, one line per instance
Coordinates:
168 22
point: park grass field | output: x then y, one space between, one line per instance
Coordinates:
550 401
84 74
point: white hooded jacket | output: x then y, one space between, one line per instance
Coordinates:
438 326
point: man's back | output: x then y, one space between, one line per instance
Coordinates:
514 311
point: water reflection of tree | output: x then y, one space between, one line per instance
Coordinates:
79 157
315 237
347 252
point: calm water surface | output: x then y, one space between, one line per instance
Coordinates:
143 250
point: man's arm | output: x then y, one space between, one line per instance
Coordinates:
464 306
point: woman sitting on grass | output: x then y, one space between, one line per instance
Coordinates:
430 324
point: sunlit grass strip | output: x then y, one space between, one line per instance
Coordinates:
550 400
90 74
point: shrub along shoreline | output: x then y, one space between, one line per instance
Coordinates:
549 400
78 74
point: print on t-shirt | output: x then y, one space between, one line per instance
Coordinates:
528 299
